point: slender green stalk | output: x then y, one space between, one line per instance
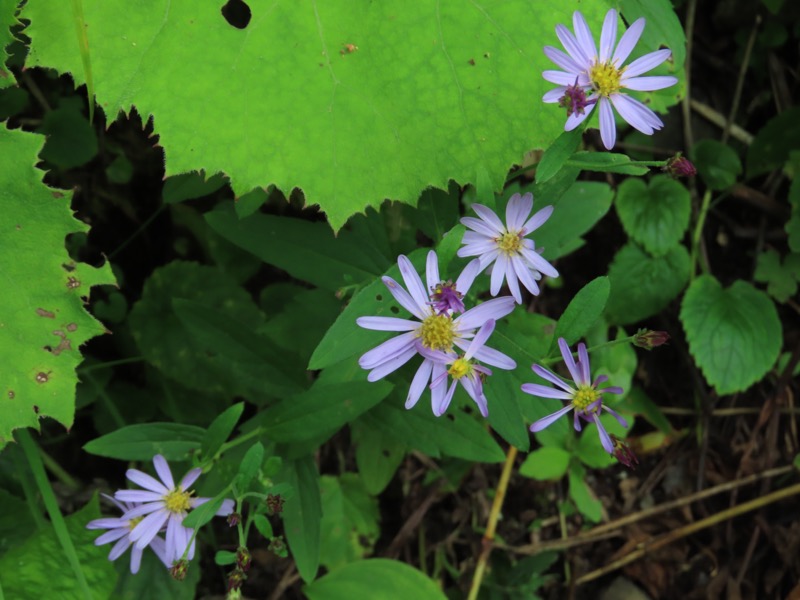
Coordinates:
240 440
494 517
698 232
34 457
58 472
28 487
109 364
555 359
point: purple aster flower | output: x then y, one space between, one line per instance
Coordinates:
119 531
437 327
586 400
465 371
166 505
602 75
515 258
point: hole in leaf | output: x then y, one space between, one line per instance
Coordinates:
394 310
450 417
378 297
236 13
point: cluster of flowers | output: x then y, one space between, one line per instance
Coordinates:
451 339
158 508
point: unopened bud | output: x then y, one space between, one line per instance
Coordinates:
234 519
680 166
623 453
278 546
274 504
179 569
648 339
243 558
236 579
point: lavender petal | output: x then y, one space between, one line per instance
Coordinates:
649 84
608 129
608 445
432 271
480 226
413 282
489 217
387 324
388 350
391 366
144 480
572 47
467 277
545 422
162 468
190 478
404 298
537 220
562 60
419 383
517 210
112 536
496 309
584 35
647 62
553 378
628 42
534 389
608 36
119 548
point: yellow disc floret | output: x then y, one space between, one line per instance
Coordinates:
585 396
605 78
178 500
509 243
460 368
436 332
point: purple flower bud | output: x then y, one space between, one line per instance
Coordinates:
574 99
648 339
679 166
623 453
243 558
234 519
236 579
278 546
274 504
445 297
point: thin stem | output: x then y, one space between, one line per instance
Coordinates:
737 95
60 474
555 359
654 544
494 517
688 137
613 528
136 233
109 364
34 458
698 233
240 440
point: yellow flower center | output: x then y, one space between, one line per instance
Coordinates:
178 501
584 397
509 243
460 368
134 522
436 332
605 78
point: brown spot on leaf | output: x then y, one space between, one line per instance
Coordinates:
3 73
65 344
45 313
71 327
36 409
42 377
73 283
348 49
11 394
471 61
57 195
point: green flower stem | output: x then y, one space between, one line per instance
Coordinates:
58 472
109 364
34 458
698 232
240 440
555 359
494 517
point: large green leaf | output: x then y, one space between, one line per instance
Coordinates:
654 215
734 334
774 143
306 250
376 579
642 285
43 321
351 101
36 568
377 456
174 441
8 10
349 520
